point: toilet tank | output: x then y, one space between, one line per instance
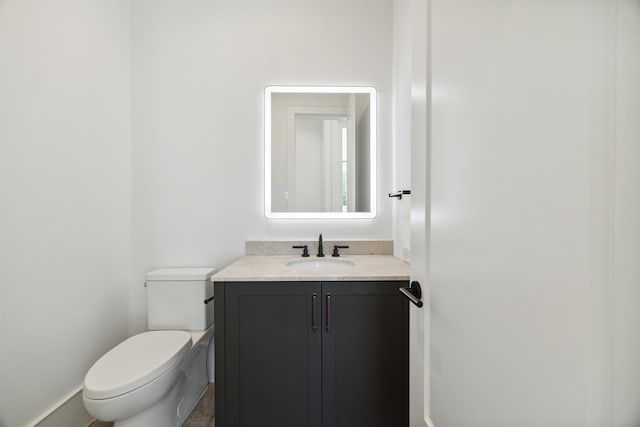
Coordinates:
176 298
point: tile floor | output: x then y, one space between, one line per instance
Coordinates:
201 416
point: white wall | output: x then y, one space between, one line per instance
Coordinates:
534 214
65 229
402 77
199 72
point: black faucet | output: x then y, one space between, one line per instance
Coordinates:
305 250
320 250
336 253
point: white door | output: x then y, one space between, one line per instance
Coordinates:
308 170
531 178
420 220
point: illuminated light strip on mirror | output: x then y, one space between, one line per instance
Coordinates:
373 118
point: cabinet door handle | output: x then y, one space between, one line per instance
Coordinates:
314 313
328 312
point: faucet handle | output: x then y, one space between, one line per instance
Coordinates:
335 249
305 250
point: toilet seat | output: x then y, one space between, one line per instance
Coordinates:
135 362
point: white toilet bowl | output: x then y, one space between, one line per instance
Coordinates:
152 379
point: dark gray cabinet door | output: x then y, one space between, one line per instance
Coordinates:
365 355
272 355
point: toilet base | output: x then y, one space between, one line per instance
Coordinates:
162 414
195 376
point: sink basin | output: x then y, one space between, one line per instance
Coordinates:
321 265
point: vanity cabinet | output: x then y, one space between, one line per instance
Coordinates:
316 354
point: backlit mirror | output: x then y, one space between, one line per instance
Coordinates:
320 152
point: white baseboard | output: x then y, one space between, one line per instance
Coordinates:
67 412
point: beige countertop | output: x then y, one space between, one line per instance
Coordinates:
275 268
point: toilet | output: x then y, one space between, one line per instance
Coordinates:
155 378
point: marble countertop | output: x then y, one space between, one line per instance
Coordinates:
274 268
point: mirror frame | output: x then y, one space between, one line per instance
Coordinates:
269 90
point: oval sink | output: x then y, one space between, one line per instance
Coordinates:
321 265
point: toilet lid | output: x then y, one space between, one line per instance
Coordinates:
135 362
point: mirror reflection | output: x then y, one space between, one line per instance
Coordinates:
320 151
